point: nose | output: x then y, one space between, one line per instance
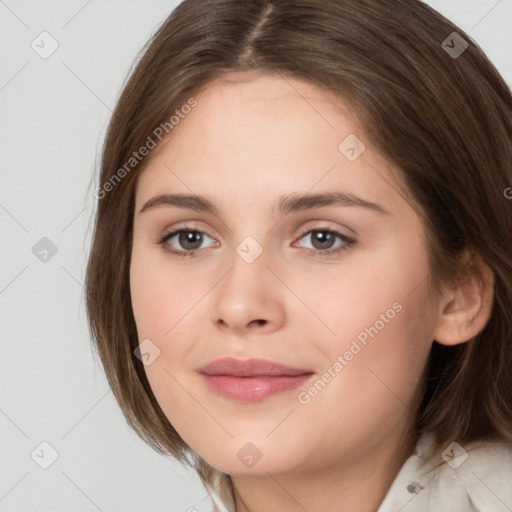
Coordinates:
249 298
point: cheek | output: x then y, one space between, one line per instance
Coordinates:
161 299
369 300
160 295
373 389
383 325
165 302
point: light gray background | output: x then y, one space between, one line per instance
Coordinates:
54 113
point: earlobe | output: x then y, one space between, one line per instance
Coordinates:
465 309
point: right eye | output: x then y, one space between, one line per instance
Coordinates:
190 240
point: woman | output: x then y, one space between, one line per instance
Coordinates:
338 334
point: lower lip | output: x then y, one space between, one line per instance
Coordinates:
253 389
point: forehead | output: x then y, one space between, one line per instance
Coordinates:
254 101
235 89
267 136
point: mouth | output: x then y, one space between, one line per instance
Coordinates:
251 380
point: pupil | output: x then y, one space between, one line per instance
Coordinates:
190 237
322 237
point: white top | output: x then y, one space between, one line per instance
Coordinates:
474 478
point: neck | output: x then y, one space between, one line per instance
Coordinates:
359 485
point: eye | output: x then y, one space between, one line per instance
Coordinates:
190 240
323 240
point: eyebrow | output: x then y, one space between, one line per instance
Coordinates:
287 204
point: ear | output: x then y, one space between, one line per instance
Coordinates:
465 308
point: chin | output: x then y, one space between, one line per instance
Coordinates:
253 458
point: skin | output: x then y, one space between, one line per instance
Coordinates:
244 146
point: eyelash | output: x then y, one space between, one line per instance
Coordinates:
349 242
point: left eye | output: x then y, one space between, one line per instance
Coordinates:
323 240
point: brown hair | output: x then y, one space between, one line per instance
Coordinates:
444 120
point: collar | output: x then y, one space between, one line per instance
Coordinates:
476 477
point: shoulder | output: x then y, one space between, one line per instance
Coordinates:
484 470
221 493
472 477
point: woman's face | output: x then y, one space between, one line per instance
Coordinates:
353 320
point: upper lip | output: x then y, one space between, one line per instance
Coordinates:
250 368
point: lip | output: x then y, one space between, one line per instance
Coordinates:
251 380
